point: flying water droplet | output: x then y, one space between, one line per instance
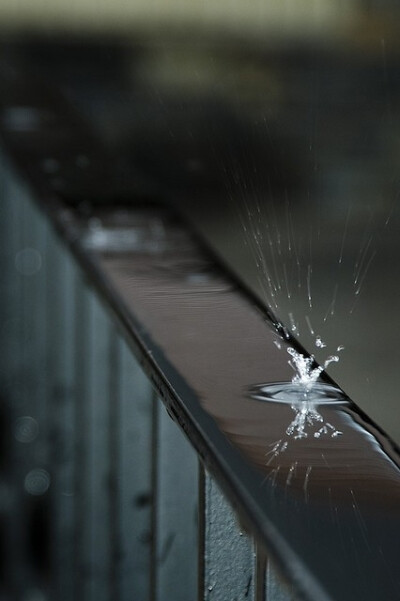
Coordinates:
308 322
331 359
293 325
309 272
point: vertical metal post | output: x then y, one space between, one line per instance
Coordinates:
93 432
10 283
61 275
275 588
227 556
81 419
270 586
26 481
175 514
32 414
134 453
31 263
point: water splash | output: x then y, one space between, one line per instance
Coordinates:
306 375
304 394
307 371
306 415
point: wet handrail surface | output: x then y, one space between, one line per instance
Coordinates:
325 507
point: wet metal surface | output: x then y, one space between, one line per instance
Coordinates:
333 498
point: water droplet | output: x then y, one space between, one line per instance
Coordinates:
293 325
331 359
319 342
28 261
26 429
309 325
37 482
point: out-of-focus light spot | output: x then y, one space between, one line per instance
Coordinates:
37 482
50 165
28 261
26 429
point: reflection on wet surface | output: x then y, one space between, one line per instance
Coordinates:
331 483
305 404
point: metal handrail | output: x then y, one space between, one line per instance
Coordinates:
323 508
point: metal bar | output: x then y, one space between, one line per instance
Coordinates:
229 559
259 589
34 414
31 263
269 584
114 460
18 569
176 514
61 314
134 486
12 204
81 417
94 431
275 588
